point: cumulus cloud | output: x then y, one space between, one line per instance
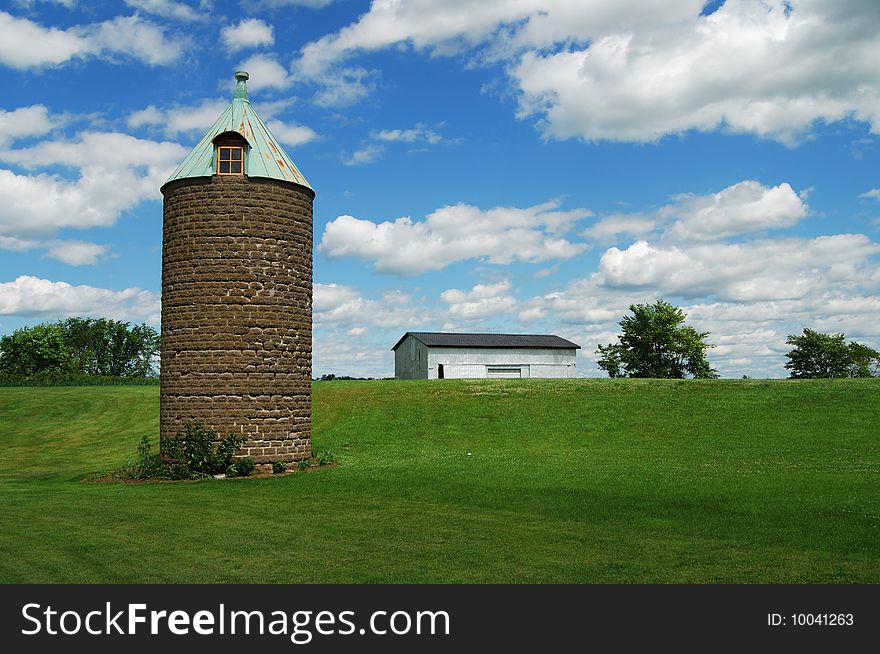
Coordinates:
178 119
874 193
265 72
750 67
77 253
739 209
365 155
340 305
290 133
41 298
482 301
742 208
27 44
612 227
418 134
26 122
637 71
273 4
247 33
167 9
116 172
342 86
761 270
455 233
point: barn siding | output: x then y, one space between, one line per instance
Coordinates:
411 359
471 363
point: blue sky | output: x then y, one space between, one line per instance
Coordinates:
529 166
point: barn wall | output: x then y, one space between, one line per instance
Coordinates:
411 359
471 363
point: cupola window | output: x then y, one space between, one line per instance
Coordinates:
230 160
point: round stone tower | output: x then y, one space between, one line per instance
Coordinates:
237 289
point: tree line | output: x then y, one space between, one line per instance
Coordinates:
655 342
80 346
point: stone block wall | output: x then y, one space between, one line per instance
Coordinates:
237 312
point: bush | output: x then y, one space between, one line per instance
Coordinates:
326 458
193 452
303 464
241 468
149 464
72 379
279 467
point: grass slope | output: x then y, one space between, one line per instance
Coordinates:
467 481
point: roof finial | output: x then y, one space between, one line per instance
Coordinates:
241 92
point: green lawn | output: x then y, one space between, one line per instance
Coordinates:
466 481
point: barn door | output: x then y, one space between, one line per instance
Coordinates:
507 372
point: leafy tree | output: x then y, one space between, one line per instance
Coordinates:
86 346
816 355
656 343
864 361
32 350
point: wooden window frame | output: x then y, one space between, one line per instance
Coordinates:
230 160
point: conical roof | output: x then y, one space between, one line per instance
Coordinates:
266 158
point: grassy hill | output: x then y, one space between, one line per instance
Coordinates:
466 481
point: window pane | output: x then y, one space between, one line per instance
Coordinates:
235 154
236 167
224 154
224 166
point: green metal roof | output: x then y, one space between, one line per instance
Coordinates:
264 158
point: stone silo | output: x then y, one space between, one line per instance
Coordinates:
237 289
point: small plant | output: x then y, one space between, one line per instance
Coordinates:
279 467
193 452
149 464
241 468
326 457
303 464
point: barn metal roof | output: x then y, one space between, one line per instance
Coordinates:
265 157
439 339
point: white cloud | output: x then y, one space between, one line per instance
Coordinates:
77 253
750 67
336 304
366 155
482 301
291 134
873 193
636 71
265 72
247 33
739 209
27 44
179 119
777 269
419 133
34 297
742 208
271 4
25 122
615 225
137 38
342 87
116 172
167 9
454 233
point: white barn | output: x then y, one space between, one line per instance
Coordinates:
432 355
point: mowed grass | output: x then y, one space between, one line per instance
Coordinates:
600 481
